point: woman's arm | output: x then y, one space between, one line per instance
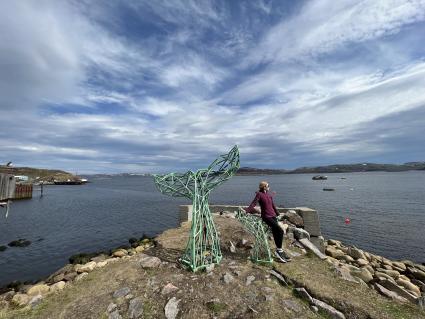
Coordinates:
251 209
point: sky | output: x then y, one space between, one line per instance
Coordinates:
162 86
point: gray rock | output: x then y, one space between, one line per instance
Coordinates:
268 297
279 277
81 276
328 309
301 233
420 284
149 262
344 273
303 294
168 288
114 315
209 268
397 289
111 307
356 253
70 276
227 278
135 308
249 280
172 308
309 245
292 305
293 218
121 292
35 301
388 293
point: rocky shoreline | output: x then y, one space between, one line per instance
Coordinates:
399 280
26 294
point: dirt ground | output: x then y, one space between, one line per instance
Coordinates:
250 293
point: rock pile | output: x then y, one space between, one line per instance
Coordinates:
399 280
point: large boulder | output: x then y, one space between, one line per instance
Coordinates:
390 285
356 253
38 290
388 293
293 218
399 266
58 286
409 286
333 252
392 273
21 299
363 274
90 266
120 253
362 262
147 261
300 233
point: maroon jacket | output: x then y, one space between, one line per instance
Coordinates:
268 209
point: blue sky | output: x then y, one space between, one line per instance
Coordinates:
157 86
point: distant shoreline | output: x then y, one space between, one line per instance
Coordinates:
337 168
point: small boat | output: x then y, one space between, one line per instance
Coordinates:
328 189
319 177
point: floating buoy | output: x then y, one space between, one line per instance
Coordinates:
347 221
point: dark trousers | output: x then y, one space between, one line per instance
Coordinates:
276 230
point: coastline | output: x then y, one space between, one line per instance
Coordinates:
346 263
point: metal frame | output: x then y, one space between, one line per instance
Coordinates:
261 251
203 247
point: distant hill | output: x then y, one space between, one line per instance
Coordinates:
337 168
47 175
259 171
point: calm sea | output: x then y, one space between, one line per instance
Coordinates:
387 212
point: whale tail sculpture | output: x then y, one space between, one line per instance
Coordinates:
261 250
203 247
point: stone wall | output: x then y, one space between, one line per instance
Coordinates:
310 219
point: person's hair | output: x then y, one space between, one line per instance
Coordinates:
263 185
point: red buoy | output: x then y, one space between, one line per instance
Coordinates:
347 221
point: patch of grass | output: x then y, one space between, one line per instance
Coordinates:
216 307
148 310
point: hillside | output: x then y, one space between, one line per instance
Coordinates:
37 174
336 168
147 282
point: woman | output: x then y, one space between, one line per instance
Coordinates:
269 215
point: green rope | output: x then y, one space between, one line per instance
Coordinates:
203 246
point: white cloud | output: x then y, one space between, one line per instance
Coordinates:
325 25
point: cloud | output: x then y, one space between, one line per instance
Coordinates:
161 86
323 26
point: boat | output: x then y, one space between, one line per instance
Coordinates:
319 177
328 189
71 182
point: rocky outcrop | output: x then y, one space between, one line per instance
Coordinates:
398 280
